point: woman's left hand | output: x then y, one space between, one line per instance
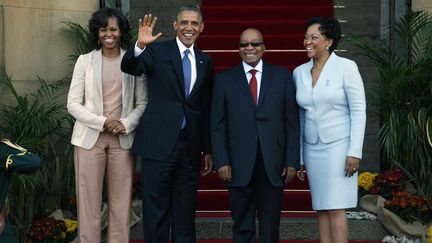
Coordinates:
117 128
351 166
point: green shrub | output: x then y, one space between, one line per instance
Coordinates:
403 96
39 122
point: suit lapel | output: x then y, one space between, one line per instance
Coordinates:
200 66
126 85
266 80
244 84
324 78
306 75
96 65
174 53
97 70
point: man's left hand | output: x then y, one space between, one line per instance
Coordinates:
208 164
288 173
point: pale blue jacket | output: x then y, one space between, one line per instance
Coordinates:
335 108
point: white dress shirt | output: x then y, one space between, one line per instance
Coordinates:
258 74
182 48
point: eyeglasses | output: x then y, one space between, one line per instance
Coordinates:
246 44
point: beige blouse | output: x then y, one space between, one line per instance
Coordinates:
112 87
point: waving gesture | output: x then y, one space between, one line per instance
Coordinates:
145 31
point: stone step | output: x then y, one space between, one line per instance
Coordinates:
291 228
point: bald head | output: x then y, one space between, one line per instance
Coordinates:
251 46
252 31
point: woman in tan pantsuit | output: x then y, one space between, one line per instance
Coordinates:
107 105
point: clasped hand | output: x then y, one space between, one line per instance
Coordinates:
114 127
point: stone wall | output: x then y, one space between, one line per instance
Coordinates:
1 35
422 5
362 19
31 40
165 10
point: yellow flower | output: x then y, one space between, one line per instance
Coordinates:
71 225
430 234
366 179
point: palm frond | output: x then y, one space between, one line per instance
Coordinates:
403 97
79 36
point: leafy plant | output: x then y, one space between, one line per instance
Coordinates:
39 122
402 97
80 37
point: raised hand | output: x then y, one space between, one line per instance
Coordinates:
145 31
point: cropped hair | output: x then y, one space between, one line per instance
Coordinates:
329 27
99 19
190 7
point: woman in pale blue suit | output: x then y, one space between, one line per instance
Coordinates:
332 104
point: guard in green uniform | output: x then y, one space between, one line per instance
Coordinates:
12 158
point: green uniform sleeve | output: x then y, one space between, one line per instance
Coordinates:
16 158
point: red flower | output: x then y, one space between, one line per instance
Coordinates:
375 190
391 185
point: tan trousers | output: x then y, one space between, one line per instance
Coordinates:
90 167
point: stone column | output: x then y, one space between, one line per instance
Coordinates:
32 43
1 36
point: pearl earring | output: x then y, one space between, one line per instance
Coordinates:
327 47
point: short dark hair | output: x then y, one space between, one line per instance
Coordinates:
190 7
99 19
329 27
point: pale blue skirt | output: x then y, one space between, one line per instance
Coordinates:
329 186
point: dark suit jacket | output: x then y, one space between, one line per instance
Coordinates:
160 124
238 125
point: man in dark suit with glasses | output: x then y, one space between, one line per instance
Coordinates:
255 139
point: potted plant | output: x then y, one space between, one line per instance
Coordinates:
402 99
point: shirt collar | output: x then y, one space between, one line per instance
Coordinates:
248 67
182 48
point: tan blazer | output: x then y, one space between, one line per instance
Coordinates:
85 101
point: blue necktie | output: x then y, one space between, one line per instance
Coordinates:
187 71
187 76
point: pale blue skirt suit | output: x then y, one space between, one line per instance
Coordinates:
332 121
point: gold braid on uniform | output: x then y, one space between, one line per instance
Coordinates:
9 160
